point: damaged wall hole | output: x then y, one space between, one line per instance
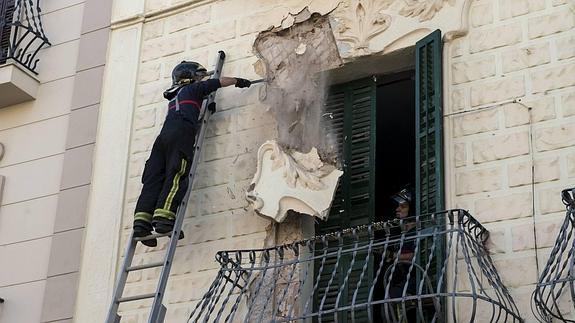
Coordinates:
293 58
301 62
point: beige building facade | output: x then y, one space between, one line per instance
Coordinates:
47 143
508 75
508 95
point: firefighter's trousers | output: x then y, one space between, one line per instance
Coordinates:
165 175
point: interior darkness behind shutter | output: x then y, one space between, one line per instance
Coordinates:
6 16
429 125
429 154
352 108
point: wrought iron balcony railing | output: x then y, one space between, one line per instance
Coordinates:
21 32
431 268
554 296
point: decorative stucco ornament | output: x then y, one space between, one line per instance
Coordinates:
360 21
367 27
424 9
289 180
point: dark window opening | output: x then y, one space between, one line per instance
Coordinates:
395 143
395 154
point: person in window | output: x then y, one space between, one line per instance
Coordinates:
399 260
404 216
165 176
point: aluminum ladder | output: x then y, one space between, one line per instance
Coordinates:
158 310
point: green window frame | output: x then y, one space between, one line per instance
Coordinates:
352 107
429 182
352 110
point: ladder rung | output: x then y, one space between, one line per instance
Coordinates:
152 236
152 265
136 297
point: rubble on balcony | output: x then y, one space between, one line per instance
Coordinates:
554 296
428 268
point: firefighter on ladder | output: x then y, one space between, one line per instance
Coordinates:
165 175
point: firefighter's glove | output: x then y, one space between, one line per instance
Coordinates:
241 83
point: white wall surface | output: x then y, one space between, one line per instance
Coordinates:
34 136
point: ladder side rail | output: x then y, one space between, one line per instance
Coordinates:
155 315
113 316
204 117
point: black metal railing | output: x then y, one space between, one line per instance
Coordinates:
384 272
554 296
21 32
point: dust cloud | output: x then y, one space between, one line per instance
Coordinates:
296 90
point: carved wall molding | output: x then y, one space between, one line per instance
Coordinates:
423 9
360 21
464 23
290 180
364 27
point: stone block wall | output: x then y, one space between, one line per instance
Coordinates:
218 217
509 116
509 105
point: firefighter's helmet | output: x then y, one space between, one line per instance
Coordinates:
403 196
188 72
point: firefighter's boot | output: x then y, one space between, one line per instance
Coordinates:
143 229
165 225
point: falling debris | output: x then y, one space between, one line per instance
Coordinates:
294 59
300 50
292 126
231 193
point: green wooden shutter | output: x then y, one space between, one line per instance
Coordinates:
429 153
352 109
429 125
6 16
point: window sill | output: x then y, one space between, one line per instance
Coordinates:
16 85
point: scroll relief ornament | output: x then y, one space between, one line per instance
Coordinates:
424 9
360 21
356 22
290 180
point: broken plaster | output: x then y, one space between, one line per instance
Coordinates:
292 60
313 7
289 180
322 8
